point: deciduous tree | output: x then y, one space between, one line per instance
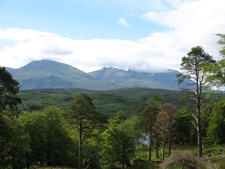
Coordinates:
119 140
146 114
216 129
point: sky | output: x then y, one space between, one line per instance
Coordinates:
142 35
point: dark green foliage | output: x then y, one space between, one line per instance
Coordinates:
216 129
82 108
183 126
13 142
91 155
8 90
86 119
107 102
146 114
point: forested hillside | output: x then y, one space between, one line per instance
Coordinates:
106 102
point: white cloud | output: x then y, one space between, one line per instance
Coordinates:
87 55
189 24
192 23
16 34
123 22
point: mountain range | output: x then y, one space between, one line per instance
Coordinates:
50 74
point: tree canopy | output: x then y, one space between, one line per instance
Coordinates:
9 87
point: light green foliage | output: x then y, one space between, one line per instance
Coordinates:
33 125
118 118
119 141
216 129
157 99
91 154
57 137
216 76
222 42
48 137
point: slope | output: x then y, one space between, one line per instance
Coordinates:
51 74
131 79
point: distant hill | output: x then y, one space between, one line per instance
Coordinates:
46 74
130 79
51 74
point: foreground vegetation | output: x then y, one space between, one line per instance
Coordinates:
50 137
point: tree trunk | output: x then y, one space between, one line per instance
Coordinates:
163 152
199 127
170 145
124 149
150 147
80 148
123 162
156 147
199 135
150 150
27 160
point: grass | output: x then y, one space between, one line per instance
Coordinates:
213 158
211 150
51 168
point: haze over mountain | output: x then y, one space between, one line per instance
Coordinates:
50 74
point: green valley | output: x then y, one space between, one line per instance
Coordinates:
107 102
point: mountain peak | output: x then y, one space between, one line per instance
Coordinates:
46 63
53 74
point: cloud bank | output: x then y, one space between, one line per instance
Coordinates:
189 24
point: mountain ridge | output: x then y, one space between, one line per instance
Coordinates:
51 74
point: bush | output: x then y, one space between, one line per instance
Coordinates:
182 160
143 164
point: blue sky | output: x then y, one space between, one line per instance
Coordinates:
80 19
144 35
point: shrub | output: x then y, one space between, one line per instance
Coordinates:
143 164
182 160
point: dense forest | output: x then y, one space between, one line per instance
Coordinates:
126 128
106 102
